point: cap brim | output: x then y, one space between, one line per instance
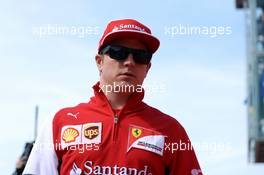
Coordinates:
150 41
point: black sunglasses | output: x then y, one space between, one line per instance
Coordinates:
121 53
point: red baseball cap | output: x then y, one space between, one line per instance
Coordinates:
129 28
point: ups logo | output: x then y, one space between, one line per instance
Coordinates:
91 132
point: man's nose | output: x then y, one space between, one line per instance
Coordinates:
129 60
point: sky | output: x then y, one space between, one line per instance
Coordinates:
198 78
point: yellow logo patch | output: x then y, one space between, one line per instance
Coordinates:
136 132
70 134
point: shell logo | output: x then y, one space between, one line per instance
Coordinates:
70 134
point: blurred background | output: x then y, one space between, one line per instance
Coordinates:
207 72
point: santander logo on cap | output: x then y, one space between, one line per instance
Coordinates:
129 28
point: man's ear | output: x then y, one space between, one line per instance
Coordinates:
99 62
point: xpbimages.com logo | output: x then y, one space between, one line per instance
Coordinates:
49 30
124 87
214 147
80 148
190 30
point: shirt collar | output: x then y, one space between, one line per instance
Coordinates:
133 102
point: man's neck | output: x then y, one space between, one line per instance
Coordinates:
116 99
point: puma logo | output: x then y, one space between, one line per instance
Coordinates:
73 115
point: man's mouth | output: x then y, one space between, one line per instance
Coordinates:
127 74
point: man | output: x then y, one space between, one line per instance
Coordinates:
115 132
21 162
